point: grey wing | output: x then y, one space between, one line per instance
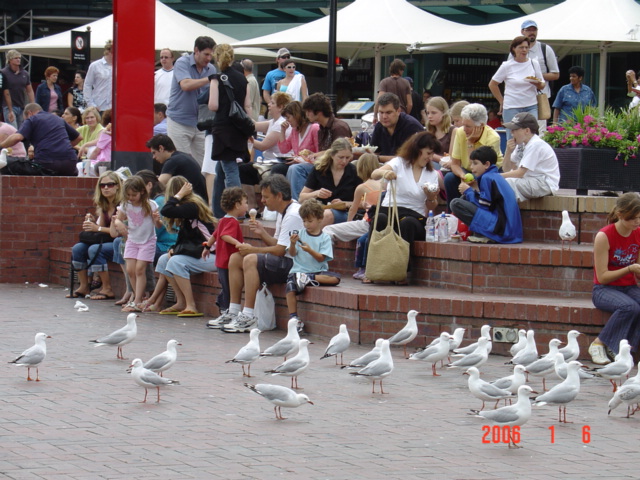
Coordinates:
31 356
280 348
376 369
339 346
292 366
275 392
157 362
503 383
153 378
501 415
630 394
247 354
116 337
615 368
493 391
468 361
401 336
559 395
366 359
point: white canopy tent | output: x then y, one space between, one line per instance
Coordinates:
571 27
173 30
364 29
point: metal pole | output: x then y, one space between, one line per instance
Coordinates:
331 60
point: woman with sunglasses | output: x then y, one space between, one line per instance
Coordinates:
293 83
107 197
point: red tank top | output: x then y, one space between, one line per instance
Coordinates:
623 251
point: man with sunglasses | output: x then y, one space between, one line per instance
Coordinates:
163 77
53 140
275 75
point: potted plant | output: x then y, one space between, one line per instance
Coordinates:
597 153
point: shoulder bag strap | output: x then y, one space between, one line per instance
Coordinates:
395 217
225 81
375 219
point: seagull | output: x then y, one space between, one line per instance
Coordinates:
148 379
120 337
623 342
513 415
478 357
434 353
288 345
338 344
380 368
522 342
567 229
633 32
528 354
564 392
408 333
455 340
368 357
485 331
545 365
249 353
572 350
484 390
561 369
279 396
618 369
294 366
165 360
628 394
635 379
3 157
513 382
33 356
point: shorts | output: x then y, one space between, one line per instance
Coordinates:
145 252
339 216
273 269
292 284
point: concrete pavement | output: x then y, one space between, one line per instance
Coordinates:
84 419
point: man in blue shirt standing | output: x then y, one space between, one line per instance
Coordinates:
275 75
190 78
572 95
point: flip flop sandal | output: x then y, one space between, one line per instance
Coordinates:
102 296
170 311
189 313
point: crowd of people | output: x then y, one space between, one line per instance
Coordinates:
300 157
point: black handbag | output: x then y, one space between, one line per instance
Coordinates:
205 116
95 238
237 115
189 249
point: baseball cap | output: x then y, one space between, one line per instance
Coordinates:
523 120
409 79
528 23
283 51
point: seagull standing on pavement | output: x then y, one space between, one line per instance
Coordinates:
148 379
33 356
628 394
567 229
165 360
512 382
434 353
294 366
288 345
572 350
520 344
378 369
338 345
484 390
368 357
408 333
513 415
561 369
564 392
528 354
485 331
478 357
546 365
618 369
120 337
249 353
279 396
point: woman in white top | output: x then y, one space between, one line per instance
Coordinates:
414 174
522 79
294 84
271 128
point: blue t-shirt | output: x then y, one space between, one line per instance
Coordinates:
183 106
568 99
164 238
273 77
303 262
51 137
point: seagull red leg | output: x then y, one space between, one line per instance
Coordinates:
145 396
29 374
158 401
37 375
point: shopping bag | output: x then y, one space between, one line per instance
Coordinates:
265 309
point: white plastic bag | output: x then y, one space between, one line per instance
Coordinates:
265 309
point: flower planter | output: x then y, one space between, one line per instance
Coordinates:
587 168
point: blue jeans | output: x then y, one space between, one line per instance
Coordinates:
451 183
227 175
297 176
509 113
81 255
17 111
624 303
361 251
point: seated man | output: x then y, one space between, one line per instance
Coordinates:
531 168
488 206
176 163
53 140
252 266
159 118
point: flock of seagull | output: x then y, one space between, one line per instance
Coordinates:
377 364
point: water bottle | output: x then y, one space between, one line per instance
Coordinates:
443 228
431 227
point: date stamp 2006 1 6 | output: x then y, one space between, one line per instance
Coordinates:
507 434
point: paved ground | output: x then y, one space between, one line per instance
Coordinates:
83 420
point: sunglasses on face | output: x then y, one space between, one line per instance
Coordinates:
285 56
291 66
108 185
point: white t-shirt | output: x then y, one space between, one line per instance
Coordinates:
409 193
162 86
551 65
274 152
290 222
540 160
518 93
141 227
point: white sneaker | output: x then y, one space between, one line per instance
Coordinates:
598 354
223 319
302 280
241 324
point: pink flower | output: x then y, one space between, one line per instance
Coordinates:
574 143
588 119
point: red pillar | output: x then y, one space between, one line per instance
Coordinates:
133 68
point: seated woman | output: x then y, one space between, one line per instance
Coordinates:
73 117
271 128
90 131
102 152
189 212
333 181
413 171
107 196
439 124
293 83
474 134
615 289
298 136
